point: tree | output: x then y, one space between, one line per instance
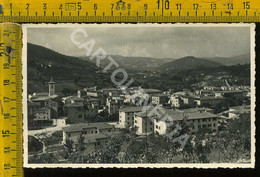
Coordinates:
66 91
203 149
69 145
43 158
108 153
34 145
234 143
218 108
81 146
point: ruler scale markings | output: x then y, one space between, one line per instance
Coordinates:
12 161
139 14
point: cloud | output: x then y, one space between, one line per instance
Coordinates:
157 42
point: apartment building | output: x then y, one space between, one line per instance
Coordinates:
88 130
159 99
209 101
126 116
143 123
154 124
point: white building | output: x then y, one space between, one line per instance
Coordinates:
126 116
74 131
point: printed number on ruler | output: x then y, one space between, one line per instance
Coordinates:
10 101
128 8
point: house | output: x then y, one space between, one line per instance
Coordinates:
126 116
239 112
98 94
143 123
188 100
152 91
33 108
159 99
44 96
184 92
176 101
93 132
61 121
181 99
44 113
147 123
43 107
197 120
211 88
209 101
76 112
113 104
111 91
91 108
198 109
234 97
66 100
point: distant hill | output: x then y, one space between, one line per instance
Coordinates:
240 59
134 63
73 73
148 63
190 62
67 72
41 55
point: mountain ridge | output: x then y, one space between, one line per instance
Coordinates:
188 63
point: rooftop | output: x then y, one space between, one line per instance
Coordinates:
151 90
42 97
160 95
211 98
240 109
133 109
110 89
80 127
176 115
91 138
41 94
229 91
78 104
197 109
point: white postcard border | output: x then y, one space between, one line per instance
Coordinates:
182 165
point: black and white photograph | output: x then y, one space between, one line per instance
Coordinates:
139 95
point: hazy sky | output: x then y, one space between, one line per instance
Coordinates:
156 42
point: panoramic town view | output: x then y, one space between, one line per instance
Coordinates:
186 99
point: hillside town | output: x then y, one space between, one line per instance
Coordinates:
94 117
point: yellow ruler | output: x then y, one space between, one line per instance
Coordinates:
86 11
11 155
130 10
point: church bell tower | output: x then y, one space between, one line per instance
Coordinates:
51 87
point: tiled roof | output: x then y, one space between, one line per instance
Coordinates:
151 90
211 98
229 91
133 109
160 95
43 98
79 127
78 104
198 115
42 94
92 138
197 109
175 115
92 99
240 109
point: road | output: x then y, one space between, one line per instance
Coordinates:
45 130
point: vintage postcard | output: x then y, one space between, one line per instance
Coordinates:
139 95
